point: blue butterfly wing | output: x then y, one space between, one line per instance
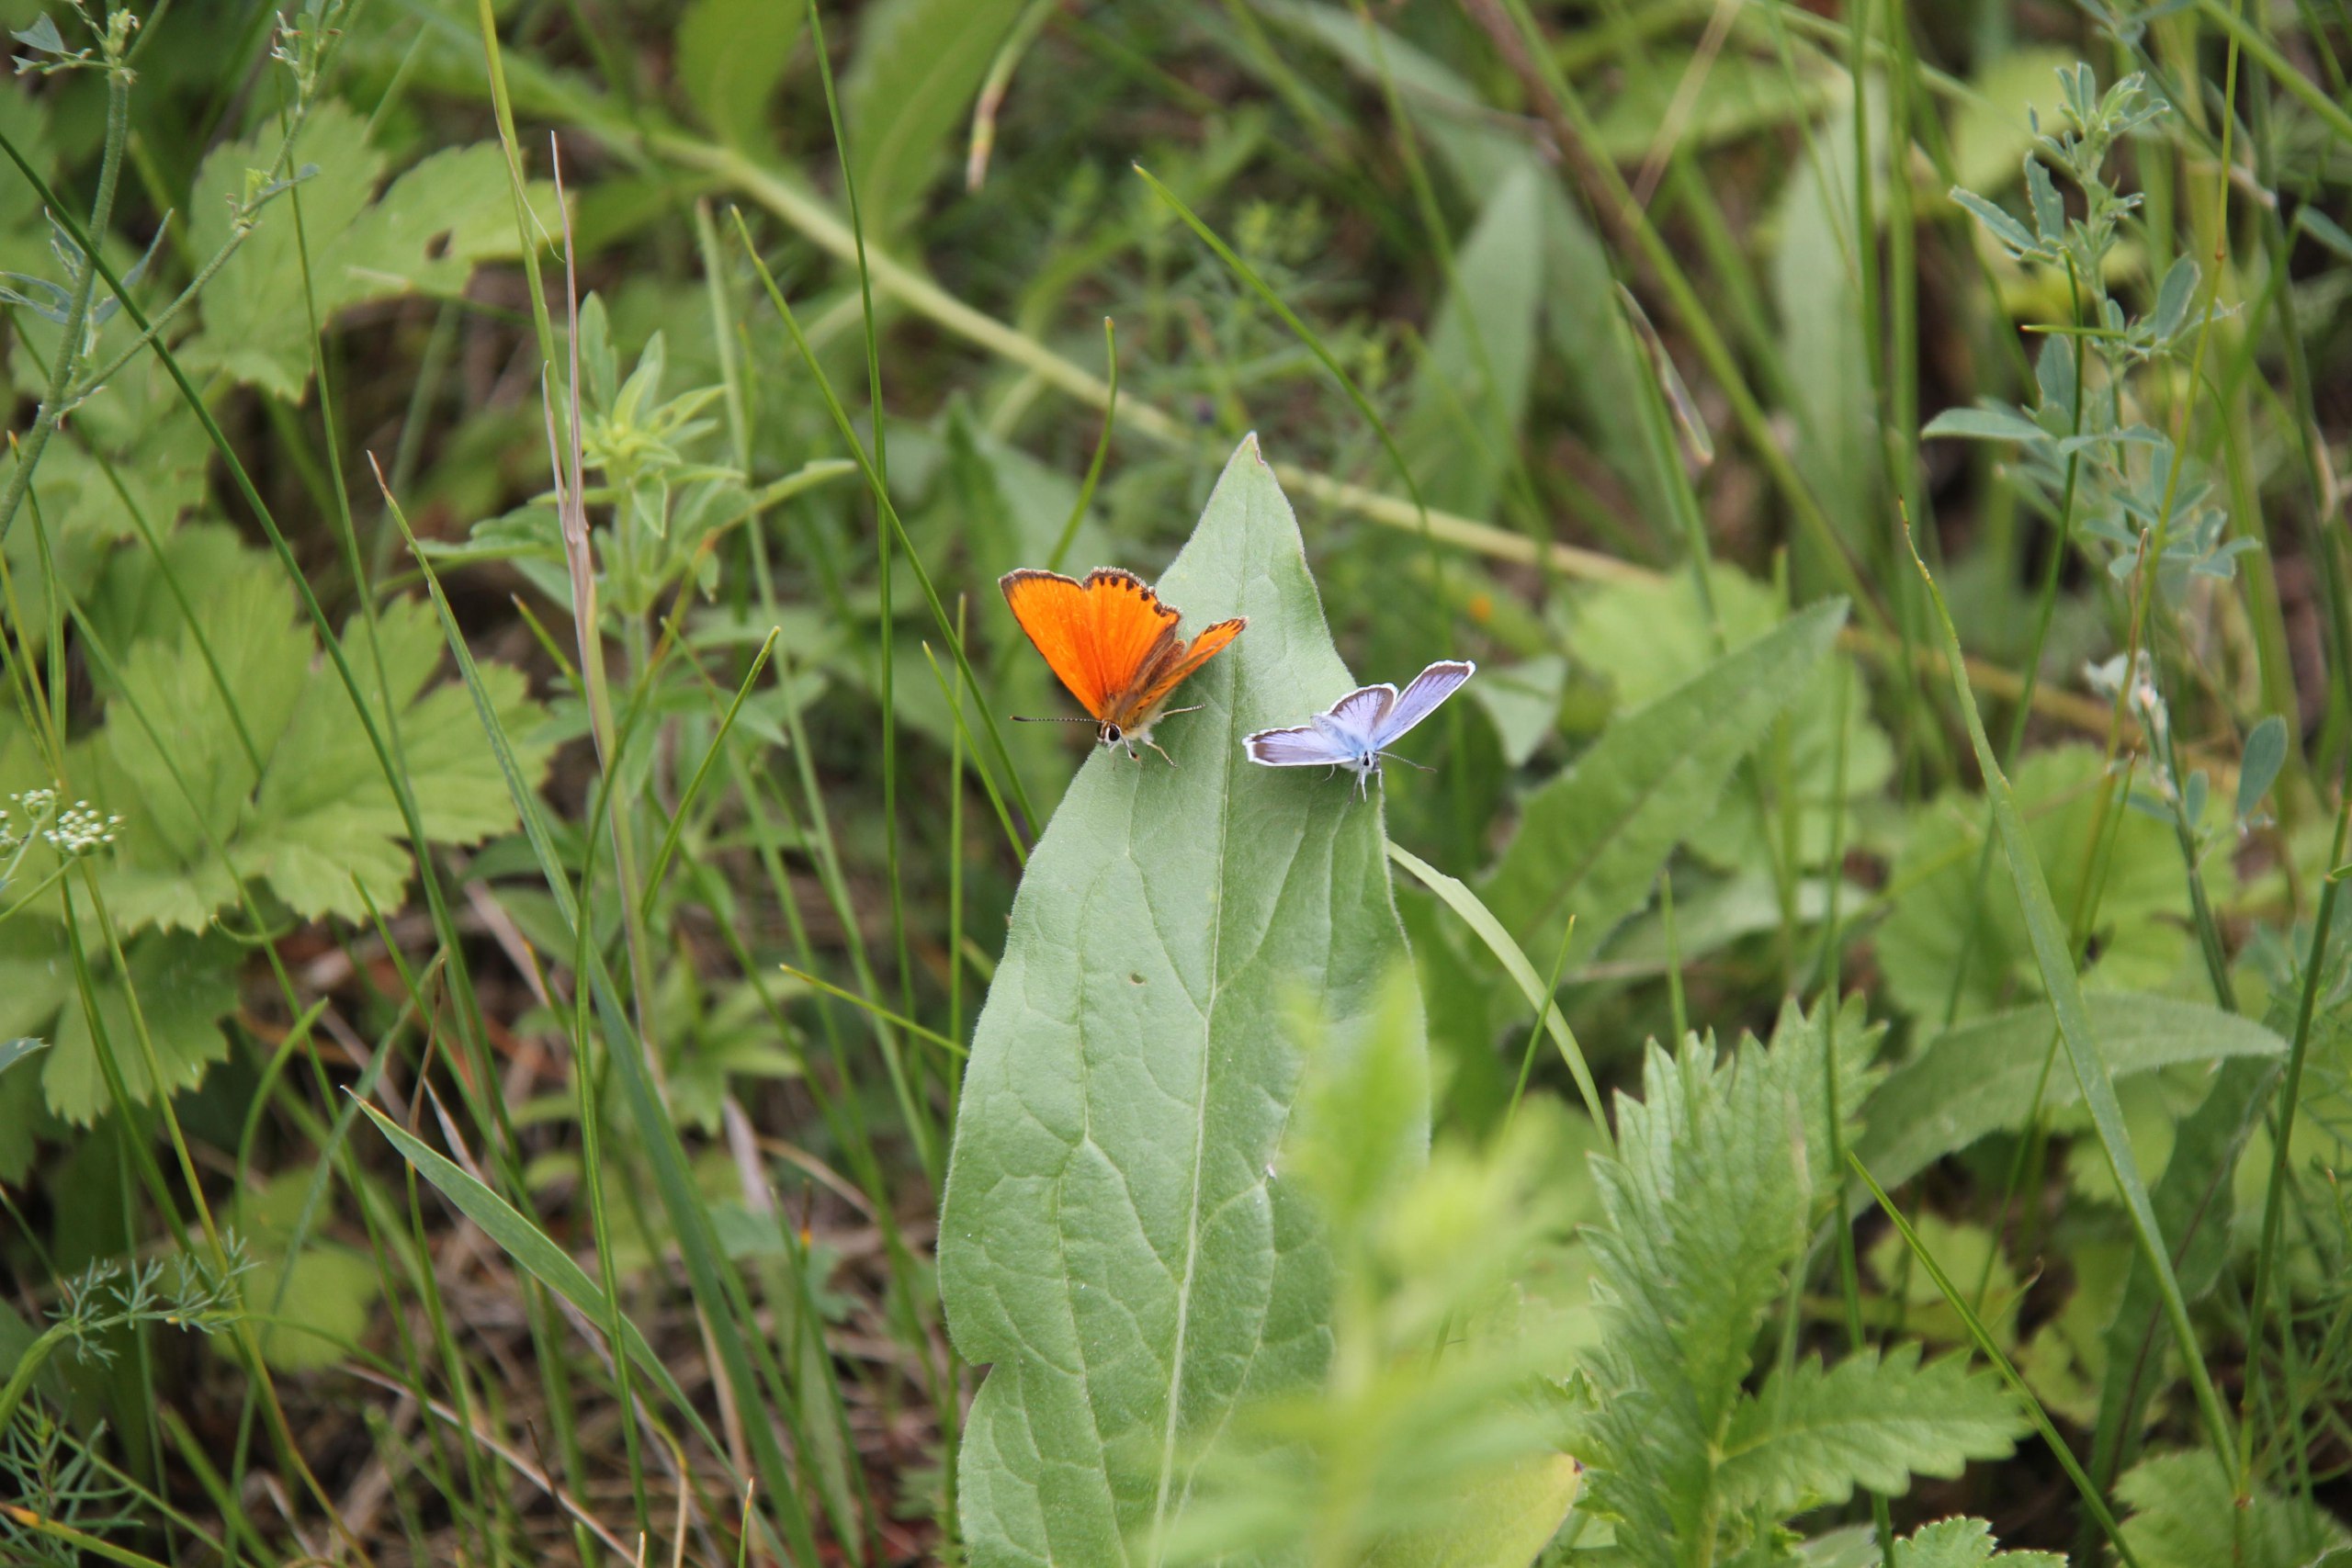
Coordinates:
1303 747
1361 711
1420 699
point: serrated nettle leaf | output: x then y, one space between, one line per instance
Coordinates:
1116 1241
1994 422
1591 841
1980 1079
1720 1174
1809 1437
2265 753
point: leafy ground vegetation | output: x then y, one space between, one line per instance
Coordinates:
547 1014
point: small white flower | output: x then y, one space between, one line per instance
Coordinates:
80 830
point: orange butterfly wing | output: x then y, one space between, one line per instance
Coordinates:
1097 636
1163 681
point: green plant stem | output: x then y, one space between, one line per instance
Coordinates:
2282 1130
54 400
1991 1350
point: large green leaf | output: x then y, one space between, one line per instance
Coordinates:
1816 288
1980 1077
316 822
425 234
2187 1513
1472 390
1116 1240
184 985
1926 948
730 59
1649 637
1591 841
909 89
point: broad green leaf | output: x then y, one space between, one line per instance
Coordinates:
730 59
320 1295
1816 293
1115 1241
909 92
14 1051
1980 1077
1462 429
1964 1543
1990 128
1501 1522
2139 939
1525 702
1649 637
1591 841
185 984
426 234
1808 1437
2186 1513
1739 93
1580 322
323 1297
318 816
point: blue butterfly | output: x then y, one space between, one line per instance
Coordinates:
1357 730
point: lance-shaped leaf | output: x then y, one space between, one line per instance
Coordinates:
1117 1242
1590 843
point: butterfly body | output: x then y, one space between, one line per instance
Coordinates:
1112 643
1356 732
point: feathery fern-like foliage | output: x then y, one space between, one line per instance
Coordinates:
1724 1171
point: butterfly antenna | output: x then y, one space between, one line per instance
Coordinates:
1059 719
1392 757
1172 713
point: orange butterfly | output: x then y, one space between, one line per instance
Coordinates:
1114 646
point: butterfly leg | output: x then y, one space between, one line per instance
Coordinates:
1158 748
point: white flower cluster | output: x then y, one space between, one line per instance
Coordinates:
76 829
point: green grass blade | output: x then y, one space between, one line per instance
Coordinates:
2053 956
1457 897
